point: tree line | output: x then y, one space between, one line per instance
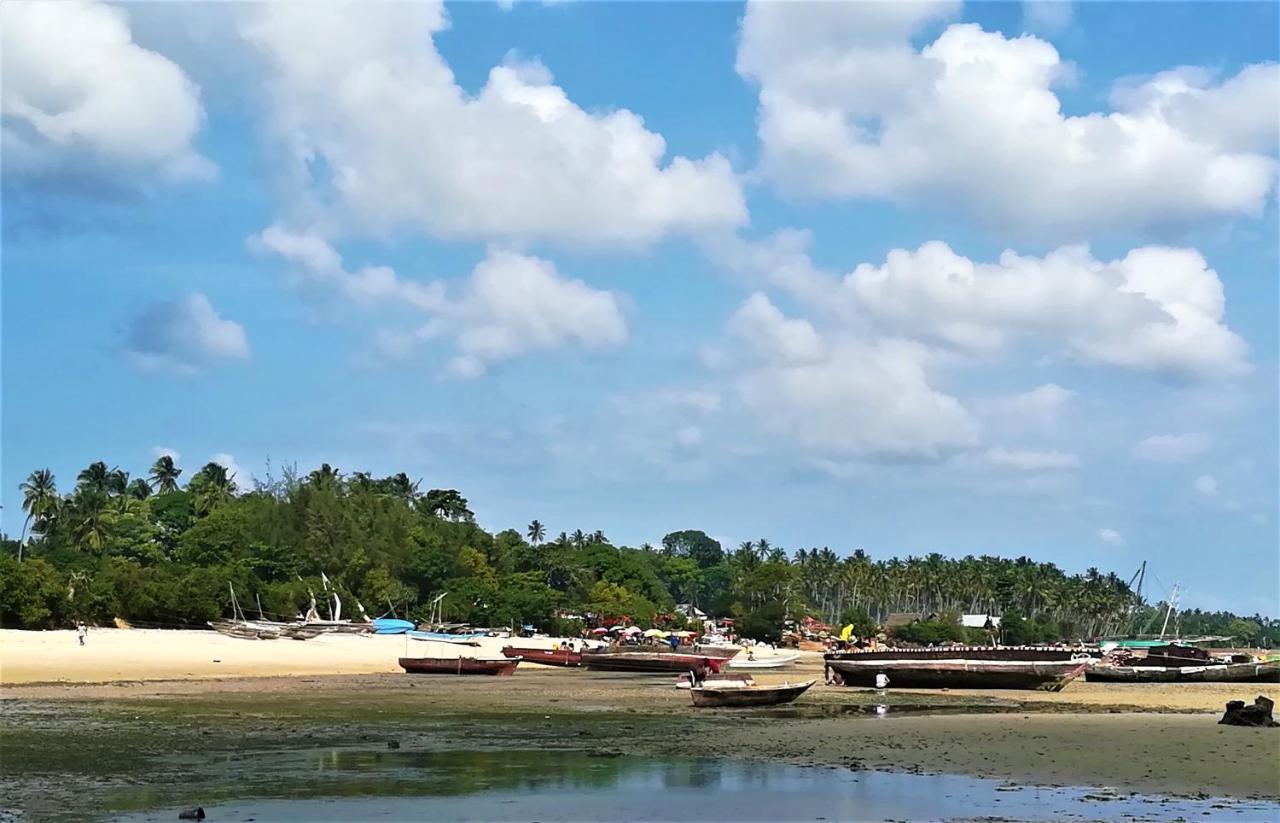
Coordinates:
154 550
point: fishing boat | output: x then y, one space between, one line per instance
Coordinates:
962 667
545 657
651 662
763 662
390 625
713 695
1175 663
501 666
727 679
468 639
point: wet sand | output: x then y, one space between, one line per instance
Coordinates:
1132 738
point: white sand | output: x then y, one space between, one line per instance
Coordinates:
163 654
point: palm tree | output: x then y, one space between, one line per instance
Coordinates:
139 489
326 476
88 506
536 532
94 476
212 486
39 501
164 475
762 548
579 539
598 537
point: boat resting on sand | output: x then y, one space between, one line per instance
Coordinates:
652 662
763 662
730 679
471 639
981 667
1173 663
500 666
545 657
713 695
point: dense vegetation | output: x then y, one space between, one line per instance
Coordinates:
155 551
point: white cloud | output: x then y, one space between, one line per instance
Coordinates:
510 305
688 437
1032 460
183 336
1207 485
849 108
1157 308
840 397
1043 405
1172 448
80 95
237 474
1046 16
380 136
1111 537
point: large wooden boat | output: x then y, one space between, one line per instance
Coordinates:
1172 663
964 667
651 662
502 666
713 695
545 657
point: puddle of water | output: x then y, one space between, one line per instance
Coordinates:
549 786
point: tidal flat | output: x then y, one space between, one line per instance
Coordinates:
75 751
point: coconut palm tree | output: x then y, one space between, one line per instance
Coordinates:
579 538
40 502
94 476
139 489
536 532
212 486
164 475
88 507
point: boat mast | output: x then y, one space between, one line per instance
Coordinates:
1173 602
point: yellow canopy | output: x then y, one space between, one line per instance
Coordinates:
655 633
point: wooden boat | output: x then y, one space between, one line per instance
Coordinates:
501 666
1172 663
718 696
651 662
470 639
545 657
763 662
727 679
248 629
980 667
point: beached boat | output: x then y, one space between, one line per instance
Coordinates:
965 667
1173 663
763 662
545 657
712 695
390 625
651 662
469 639
501 666
725 679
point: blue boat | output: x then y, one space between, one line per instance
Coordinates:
389 625
471 638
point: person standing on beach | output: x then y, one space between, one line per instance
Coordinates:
81 630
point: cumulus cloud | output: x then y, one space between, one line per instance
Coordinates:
1207 485
184 336
850 108
1042 405
1157 308
238 475
837 396
380 136
1111 537
1046 16
1172 448
510 305
1032 460
80 95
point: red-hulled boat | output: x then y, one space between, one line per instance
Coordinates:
652 662
502 666
545 657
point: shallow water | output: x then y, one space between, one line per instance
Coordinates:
367 784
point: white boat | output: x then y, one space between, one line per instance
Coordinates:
763 662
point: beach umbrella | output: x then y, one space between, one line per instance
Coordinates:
599 631
631 630
654 633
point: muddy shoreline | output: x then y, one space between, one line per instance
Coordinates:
152 733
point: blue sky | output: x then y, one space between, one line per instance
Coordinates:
966 278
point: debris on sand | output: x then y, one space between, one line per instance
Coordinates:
1259 714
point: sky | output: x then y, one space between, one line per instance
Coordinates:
907 277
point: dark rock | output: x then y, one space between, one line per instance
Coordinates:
192 814
1239 714
393 744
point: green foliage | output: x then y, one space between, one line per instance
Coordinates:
864 625
925 632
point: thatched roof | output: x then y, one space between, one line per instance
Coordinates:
896 619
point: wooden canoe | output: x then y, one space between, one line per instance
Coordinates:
545 657
713 696
1213 673
501 666
652 663
725 679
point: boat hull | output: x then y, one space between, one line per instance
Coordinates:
1221 673
763 662
545 657
645 663
498 666
742 697
444 637
956 673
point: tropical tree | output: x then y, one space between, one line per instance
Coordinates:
210 487
536 532
40 501
139 489
447 504
164 475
